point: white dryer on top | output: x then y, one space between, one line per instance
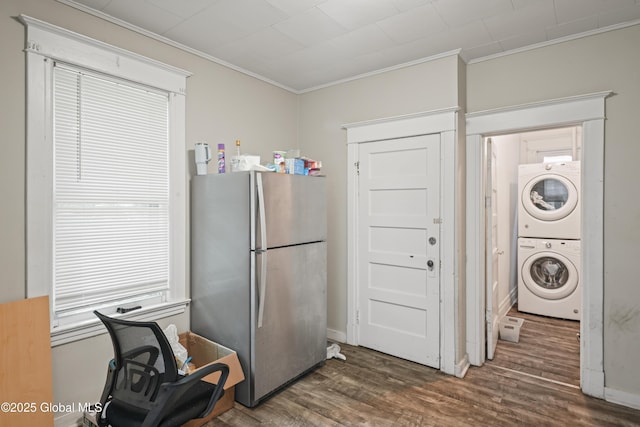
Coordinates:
549 204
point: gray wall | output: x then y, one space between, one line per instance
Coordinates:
608 61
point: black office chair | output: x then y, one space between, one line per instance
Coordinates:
143 387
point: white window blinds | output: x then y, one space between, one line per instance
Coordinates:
111 193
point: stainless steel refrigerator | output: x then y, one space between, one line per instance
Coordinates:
258 273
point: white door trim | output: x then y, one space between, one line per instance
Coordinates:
589 112
442 122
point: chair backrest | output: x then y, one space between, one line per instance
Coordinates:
143 360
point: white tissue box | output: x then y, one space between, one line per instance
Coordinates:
244 162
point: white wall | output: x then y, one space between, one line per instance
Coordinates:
508 151
607 61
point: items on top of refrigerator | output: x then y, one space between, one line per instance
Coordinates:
235 160
221 160
284 161
246 162
202 157
291 162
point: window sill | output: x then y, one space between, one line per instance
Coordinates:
71 333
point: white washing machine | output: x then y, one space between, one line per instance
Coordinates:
549 277
549 203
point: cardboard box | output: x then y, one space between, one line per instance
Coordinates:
294 166
510 328
89 419
205 352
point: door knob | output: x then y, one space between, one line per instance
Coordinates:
430 264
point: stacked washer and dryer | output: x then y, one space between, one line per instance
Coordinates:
549 239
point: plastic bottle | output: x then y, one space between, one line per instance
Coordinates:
235 160
221 160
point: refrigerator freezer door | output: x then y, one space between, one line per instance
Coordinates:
293 336
295 210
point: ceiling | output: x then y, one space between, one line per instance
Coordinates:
301 45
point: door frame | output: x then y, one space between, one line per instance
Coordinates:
453 359
587 111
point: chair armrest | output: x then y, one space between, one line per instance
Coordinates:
204 371
187 381
175 390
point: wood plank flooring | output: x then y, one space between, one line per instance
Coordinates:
548 348
375 389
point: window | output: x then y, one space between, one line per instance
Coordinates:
557 159
111 193
106 181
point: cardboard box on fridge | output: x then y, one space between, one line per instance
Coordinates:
294 166
205 352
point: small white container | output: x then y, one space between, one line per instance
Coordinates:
510 328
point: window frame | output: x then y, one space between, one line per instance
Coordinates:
46 43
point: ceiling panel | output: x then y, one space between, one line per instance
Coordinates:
143 15
530 18
354 14
293 7
303 44
181 9
613 17
460 12
310 27
362 41
413 24
570 10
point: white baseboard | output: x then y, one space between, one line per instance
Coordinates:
337 336
70 419
592 383
462 367
508 302
622 398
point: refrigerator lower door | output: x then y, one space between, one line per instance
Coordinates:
293 335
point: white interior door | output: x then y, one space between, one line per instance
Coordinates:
399 248
493 263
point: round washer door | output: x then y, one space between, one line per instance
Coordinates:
549 197
550 275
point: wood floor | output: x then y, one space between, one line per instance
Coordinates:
374 389
548 348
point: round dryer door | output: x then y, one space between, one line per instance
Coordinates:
549 197
550 275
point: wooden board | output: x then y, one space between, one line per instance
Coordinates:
26 379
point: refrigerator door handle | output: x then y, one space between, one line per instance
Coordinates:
262 292
262 250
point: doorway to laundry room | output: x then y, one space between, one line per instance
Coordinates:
588 112
533 239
